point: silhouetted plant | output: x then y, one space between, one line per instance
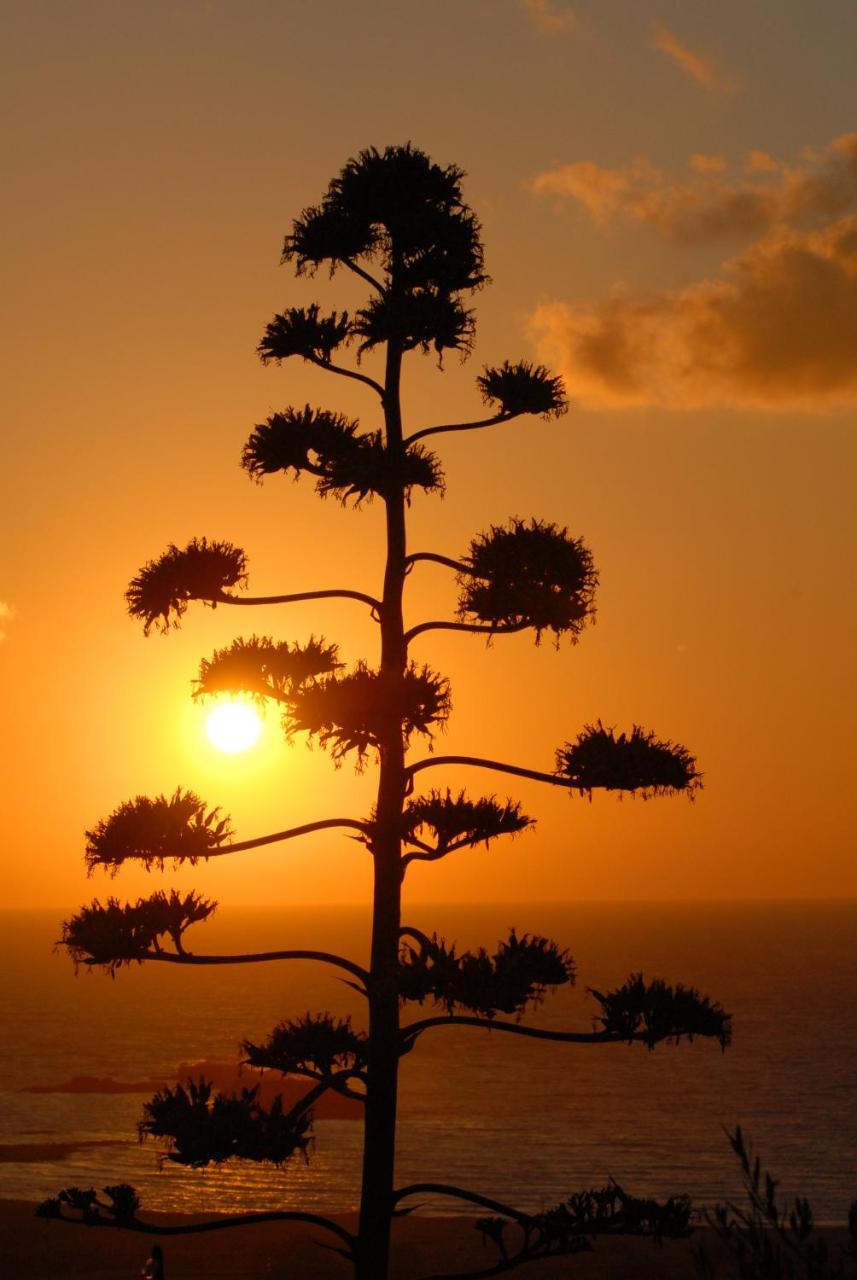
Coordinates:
457 823
655 1011
179 827
265 668
116 933
201 1128
762 1240
634 761
523 388
519 973
328 446
317 1046
529 575
398 222
201 571
357 711
570 1226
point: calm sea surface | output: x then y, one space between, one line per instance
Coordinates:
522 1120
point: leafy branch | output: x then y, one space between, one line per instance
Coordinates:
635 1013
599 759
566 1229
181 828
119 1208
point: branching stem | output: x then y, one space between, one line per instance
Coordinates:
410 1033
409 931
217 1224
365 275
346 373
296 597
337 1082
323 824
472 627
478 762
257 957
460 426
458 565
459 1193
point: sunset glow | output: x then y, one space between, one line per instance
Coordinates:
688 269
233 727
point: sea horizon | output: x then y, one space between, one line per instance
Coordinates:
523 1121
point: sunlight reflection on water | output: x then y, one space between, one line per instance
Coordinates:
518 1119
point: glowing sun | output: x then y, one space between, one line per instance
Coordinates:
233 727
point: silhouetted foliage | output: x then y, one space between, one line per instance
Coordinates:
124 1202
635 761
398 222
529 575
200 571
654 1011
113 934
315 1045
763 1241
329 446
421 319
523 388
303 331
179 827
400 210
570 1226
454 822
202 1128
354 712
519 973
120 1209
265 668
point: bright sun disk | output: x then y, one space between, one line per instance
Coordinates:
233 727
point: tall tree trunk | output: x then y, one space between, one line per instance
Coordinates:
379 1143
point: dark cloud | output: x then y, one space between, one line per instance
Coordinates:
778 329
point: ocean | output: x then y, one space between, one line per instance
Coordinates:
521 1120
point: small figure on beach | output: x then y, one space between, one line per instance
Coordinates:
153 1267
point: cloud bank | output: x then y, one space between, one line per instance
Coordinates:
708 205
778 329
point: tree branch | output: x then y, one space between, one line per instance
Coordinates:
460 1193
370 279
336 1082
346 373
553 779
472 627
257 957
460 426
295 598
217 1224
418 844
323 824
457 565
414 1029
409 931
427 854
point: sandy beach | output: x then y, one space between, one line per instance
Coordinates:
37 1250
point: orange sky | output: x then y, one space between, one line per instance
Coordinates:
667 219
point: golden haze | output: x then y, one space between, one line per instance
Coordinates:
158 161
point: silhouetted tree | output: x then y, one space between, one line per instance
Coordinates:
398 222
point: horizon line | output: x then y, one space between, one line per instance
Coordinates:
848 900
